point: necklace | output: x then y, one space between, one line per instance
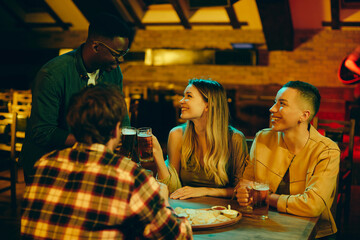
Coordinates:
307 140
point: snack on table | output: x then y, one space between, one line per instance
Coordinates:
230 213
202 216
218 208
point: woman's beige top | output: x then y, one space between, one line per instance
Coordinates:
190 177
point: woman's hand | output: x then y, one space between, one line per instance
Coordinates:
157 150
162 170
189 192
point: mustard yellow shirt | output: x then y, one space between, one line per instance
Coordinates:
313 174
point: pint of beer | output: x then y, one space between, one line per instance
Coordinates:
127 141
260 204
145 144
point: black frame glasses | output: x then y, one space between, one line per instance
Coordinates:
116 54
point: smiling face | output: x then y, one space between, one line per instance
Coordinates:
108 59
193 105
288 110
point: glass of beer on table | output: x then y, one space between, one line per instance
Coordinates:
260 200
128 135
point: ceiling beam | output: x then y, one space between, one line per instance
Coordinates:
232 16
91 8
59 22
277 25
14 11
335 14
342 24
134 10
142 5
17 12
123 11
24 39
192 24
182 9
65 26
350 4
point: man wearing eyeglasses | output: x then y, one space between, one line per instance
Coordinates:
95 61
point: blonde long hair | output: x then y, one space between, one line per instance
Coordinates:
217 133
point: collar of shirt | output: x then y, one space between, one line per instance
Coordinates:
97 147
80 67
93 77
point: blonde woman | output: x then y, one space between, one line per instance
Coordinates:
206 155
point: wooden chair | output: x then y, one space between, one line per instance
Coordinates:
5 100
336 130
22 97
9 119
21 102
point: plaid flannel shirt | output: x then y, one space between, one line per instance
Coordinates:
89 192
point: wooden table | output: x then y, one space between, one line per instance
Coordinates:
278 226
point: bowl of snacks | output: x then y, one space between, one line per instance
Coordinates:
218 208
230 213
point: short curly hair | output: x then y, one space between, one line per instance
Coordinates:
94 113
109 26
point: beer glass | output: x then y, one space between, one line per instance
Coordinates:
127 141
246 184
260 200
144 136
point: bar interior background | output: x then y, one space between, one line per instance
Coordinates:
251 47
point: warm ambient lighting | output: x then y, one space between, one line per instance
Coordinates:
64 50
160 57
243 55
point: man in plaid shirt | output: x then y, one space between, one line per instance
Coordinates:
87 191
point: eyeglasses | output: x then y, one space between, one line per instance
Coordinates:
116 54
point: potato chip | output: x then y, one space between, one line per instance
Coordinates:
190 211
179 210
183 214
216 212
222 218
197 221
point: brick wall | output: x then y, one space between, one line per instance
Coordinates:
315 59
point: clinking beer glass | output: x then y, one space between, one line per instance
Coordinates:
128 135
145 144
145 147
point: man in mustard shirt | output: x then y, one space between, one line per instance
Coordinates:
300 165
